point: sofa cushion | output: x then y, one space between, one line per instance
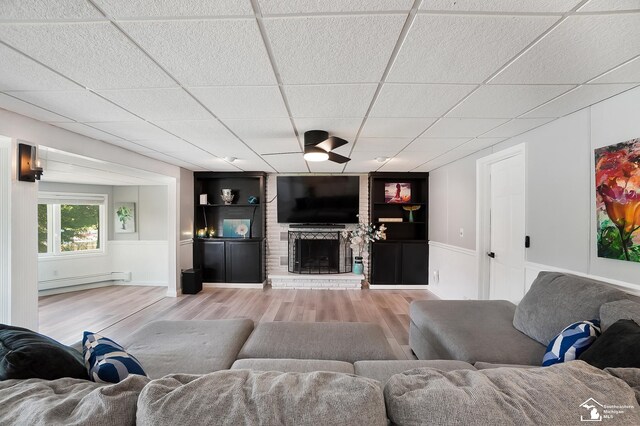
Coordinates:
571 342
346 341
236 397
69 402
107 361
191 347
618 347
292 365
25 354
383 370
557 299
551 396
471 331
480 365
620 309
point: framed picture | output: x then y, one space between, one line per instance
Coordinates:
124 218
236 228
397 192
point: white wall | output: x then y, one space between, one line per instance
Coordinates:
560 196
186 219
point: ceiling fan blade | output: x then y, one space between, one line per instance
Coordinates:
315 137
337 158
332 143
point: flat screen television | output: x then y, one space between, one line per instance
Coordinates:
318 199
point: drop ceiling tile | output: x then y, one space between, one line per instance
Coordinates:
580 48
262 128
227 148
197 129
325 167
335 101
273 145
81 105
476 145
506 101
242 101
418 100
364 162
132 130
32 10
96 54
500 5
577 99
609 5
17 72
335 49
172 146
462 48
405 162
174 8
178 160
251 161
18 106
278 7
395 127
462 127
381 144
515 127
627 73
287 163
435 146
158 104
85 130
207 52
346 128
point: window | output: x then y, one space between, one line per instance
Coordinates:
70 223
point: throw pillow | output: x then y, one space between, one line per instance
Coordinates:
106 361
25 354
620 309
571 342
618 347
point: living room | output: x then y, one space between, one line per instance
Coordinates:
492 119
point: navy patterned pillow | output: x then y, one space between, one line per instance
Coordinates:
571 342
107 361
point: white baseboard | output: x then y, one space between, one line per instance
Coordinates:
69 289
143 283
398 287
83 279
234 285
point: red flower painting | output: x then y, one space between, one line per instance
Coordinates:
618 200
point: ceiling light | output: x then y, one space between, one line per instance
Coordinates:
230 159
382 159
312 153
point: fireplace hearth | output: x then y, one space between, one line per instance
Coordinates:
319 252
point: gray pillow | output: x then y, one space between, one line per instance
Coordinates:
236 397
557 300
506 396
611 312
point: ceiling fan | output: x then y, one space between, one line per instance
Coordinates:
318 146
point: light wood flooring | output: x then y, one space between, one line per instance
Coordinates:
117 311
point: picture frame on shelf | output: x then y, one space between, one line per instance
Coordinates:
236 228
397 192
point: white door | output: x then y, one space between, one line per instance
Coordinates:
506 270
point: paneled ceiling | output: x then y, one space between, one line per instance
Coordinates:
421 82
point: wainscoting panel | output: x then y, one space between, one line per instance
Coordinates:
452 271
146 261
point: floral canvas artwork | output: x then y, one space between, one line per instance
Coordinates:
618 200
125 218
236 228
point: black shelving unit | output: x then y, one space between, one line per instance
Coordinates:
221 258
403 257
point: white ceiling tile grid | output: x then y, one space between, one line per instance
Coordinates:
262 128
80 105
418 100
193 130
462 127
610 5
434 146
242 101
287 163
335 49
627 73
34 10
330 101
95 55
579 49
21 107
515 127
558 6
463 49
273 145
120 9
158 104
395 127
17 72
85 130
345 128
381 144
281 7
132 130
206 52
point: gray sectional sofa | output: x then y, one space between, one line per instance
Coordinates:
235 372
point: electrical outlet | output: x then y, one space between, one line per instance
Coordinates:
461 232
436 276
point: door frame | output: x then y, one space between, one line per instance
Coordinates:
483 211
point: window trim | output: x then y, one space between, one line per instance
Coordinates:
54 222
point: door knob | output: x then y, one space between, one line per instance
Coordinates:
491 255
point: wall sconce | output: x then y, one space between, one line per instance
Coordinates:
29 169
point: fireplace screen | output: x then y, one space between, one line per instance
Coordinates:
318 252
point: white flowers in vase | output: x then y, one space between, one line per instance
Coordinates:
363 234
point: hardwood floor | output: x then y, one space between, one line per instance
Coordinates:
117 311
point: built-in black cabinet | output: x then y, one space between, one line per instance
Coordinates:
403 257
229 258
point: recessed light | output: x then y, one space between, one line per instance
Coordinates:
382 159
